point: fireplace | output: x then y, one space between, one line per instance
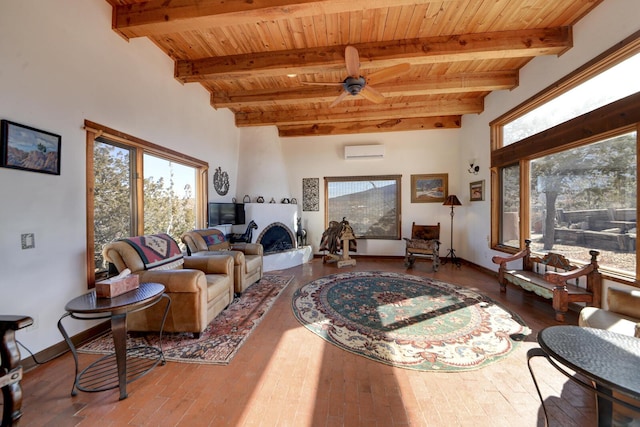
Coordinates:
276 237
279 221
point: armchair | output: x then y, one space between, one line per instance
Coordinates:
199 288
247 257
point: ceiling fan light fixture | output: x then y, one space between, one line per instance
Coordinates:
354 85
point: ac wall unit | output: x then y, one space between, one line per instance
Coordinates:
364 151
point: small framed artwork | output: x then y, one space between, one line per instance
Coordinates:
476 191
429 188
30 149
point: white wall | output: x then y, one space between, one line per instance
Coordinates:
407 153
61 64
607 25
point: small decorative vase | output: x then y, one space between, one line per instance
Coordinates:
260 199
246 199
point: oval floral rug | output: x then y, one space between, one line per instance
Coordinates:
408 321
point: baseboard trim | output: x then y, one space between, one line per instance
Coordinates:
57 350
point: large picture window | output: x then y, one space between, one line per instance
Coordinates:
566 163
138 188
371 204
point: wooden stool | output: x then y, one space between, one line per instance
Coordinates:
10 369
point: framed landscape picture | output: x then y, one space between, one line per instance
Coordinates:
30 149
476 191
429 188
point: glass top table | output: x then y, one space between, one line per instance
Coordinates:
89 307
608 359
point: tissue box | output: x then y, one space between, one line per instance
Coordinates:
113 287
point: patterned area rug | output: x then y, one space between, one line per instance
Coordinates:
222 338
408 321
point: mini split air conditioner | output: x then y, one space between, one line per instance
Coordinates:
364 151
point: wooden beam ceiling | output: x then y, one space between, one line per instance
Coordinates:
263 59
468 47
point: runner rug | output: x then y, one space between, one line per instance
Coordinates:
408 321
222 338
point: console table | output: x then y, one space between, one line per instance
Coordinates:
100 376
10 369
609 360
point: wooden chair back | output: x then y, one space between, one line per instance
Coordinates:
425 232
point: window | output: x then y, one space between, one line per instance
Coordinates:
620 81
371 204
585 198
566 164
168 199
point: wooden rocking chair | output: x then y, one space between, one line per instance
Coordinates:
423 243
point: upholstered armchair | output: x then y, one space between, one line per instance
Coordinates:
199 288
622 314
247 257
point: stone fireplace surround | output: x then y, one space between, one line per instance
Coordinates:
266 215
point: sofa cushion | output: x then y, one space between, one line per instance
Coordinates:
157 251
252 263
625 302
218 285
593 317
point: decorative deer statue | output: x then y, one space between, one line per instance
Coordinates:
244 237
301 234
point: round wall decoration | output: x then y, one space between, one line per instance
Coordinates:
221 181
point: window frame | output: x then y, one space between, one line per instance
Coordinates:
608 121
139 147
396 178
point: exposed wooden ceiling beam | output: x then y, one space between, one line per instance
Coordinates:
362 113
156 17
431 50
455 83
369 126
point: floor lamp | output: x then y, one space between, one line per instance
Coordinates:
452 201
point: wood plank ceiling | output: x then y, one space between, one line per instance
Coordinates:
257 57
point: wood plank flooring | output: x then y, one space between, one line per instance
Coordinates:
285 375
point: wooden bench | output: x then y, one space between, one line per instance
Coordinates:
550 277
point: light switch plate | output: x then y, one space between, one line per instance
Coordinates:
28 241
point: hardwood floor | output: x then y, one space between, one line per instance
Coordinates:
285 375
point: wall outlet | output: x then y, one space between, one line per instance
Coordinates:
28 241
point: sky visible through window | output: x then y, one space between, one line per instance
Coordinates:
620 81
157 167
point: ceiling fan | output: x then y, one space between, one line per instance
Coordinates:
356 84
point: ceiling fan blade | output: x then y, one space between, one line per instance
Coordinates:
322 83
372 94
339 98
387 73
352 61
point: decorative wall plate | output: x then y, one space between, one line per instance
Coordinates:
221 181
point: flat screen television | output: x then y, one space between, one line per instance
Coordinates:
226 213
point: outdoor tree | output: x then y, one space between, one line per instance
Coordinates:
594 176
165 211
